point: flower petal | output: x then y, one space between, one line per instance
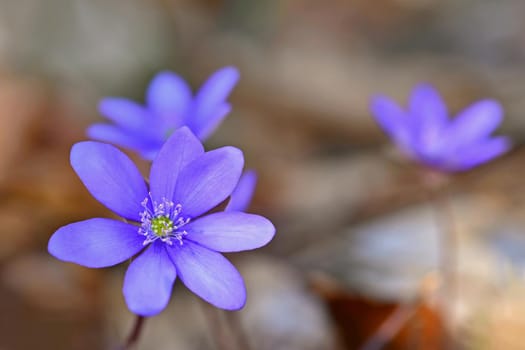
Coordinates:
477 154
149 281
205 127
208 180
429 114
111 177
211 95
95 242
123 112
124 138
427 105
392 119
180 149
230 231
169 96
242 195
473 123
209 275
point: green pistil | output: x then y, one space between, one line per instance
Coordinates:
169 131
161 226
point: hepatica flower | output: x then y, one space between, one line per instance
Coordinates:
169 105
241 196
425 133
169 223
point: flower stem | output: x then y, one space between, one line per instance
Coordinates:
235 326
221 339
448 248
134 335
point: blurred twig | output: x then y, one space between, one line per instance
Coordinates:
390 327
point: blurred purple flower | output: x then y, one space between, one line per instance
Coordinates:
169 222
426 134
170 104
242 195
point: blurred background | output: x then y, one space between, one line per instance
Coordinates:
355 263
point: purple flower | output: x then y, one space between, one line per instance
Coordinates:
241 196
168 224
426 134
169 105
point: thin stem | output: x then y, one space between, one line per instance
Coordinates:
134 335
220 338
449 256
448 248
390 327
236 328
450 251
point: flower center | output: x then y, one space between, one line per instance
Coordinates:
161 226
168 132
162 221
